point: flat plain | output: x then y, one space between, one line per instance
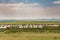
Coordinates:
30 36
36 34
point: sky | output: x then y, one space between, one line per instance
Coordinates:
29 9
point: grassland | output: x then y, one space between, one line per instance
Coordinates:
30 36
46 33
31 22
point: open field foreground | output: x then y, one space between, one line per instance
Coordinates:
30 36
45 33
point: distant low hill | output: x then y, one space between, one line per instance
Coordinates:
30 20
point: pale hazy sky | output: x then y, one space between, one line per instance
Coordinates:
29 9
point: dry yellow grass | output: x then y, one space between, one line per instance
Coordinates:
29 36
